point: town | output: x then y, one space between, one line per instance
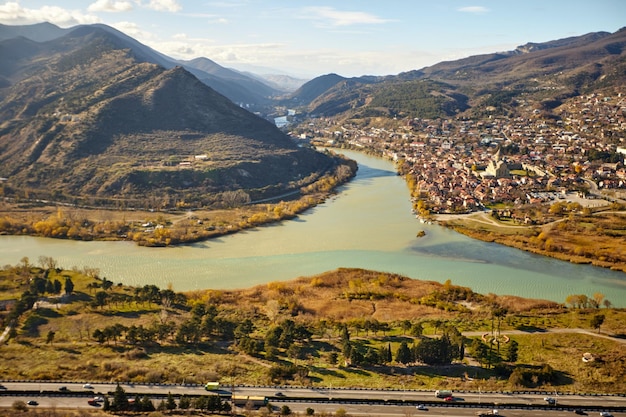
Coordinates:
462 165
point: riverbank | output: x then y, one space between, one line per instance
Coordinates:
167 227
595 238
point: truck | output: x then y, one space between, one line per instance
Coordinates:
442 393
249 400
212 386
488 413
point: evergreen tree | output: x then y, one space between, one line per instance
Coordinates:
106 404
184 403
69 286
434 351
170 403
200 403
214 403
120 400
403 355
511 352
146 404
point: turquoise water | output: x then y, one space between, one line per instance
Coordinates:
367 225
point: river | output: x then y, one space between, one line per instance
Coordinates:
368 224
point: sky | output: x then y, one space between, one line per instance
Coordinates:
308 38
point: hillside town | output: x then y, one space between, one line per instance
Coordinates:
462 165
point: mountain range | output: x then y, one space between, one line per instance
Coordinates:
550 71
90 113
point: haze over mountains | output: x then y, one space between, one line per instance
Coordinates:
90 111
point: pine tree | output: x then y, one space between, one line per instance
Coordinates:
170 403
403 355
120 400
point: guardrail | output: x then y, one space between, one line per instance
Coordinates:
283 387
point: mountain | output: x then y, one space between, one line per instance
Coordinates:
280 82
39 32
240 88
564 68
237 87
315 88
87 117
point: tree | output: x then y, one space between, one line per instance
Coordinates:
120 400
101 298
434 351
285 410
417 329
403 355
106 404
170 403
57 286
47 262
146 404
106 284
69 286
184 403
511 351
596 321
598 298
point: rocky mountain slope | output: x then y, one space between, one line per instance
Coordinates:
85 115
553 71
238 87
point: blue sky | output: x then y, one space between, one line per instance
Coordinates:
309 38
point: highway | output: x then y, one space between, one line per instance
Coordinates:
354 401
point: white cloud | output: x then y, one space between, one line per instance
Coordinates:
164 5
473 9
331 17
110 6
11 13
134 31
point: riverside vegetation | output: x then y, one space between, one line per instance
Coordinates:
348 328
561 230
230 212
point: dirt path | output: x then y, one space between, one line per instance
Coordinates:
560 330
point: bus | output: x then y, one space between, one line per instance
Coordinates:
212 386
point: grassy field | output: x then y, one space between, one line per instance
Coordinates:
57 340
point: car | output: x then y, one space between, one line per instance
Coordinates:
421 407
98 399
449 399
88 386
580 412
605 414
550 400
63 389
32 402
279 394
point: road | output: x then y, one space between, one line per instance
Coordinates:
48 394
